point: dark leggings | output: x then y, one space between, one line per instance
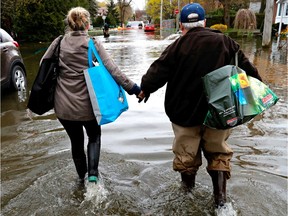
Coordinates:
75 132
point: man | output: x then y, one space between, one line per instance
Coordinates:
106 30
197 52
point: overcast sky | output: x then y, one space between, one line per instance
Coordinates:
136 4
140 4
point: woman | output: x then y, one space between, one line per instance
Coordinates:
72 103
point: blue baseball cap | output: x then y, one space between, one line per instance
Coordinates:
193 12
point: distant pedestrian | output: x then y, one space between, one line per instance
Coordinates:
72 102
181 66
140 25
106 30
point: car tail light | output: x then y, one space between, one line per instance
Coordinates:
16 43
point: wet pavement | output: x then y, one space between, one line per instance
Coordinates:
38 176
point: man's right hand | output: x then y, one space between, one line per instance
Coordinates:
142 96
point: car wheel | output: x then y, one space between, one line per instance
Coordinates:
18 78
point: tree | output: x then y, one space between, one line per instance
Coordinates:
245 19
93 8
8 11
42 20
232 6
139 14
153 9
113 15
226 6
263 6
124 8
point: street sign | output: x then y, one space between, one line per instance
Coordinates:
176 11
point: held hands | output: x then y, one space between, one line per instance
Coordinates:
139 93
141 96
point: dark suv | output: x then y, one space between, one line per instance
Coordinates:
13 74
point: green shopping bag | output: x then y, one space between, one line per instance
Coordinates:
234 98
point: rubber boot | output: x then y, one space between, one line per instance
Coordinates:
81 167
219 187
93 151
188 180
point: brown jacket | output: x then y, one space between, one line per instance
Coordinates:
72 100
183 64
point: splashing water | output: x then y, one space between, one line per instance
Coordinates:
226 210
95 193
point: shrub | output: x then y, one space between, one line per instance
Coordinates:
245 19
219 27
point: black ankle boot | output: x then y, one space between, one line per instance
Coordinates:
219 187
188 180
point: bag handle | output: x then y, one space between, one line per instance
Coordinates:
92 50
57 47
236 58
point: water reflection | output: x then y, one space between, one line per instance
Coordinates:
271 62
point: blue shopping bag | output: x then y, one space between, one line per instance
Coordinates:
107 97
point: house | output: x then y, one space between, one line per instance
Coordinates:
282 12
255 5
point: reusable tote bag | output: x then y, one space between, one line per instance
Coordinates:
234 98
41 97
107 96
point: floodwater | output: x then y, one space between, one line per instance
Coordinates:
38 176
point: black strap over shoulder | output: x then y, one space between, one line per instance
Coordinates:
57 47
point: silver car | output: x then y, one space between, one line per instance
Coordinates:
13 74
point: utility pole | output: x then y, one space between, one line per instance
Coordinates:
161 14
266 39
178 17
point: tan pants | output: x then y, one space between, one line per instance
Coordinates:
188 143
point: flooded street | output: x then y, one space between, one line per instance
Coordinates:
38 176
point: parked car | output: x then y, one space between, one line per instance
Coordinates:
149 28
134 24
13 73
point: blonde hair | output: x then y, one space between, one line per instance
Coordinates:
78 19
